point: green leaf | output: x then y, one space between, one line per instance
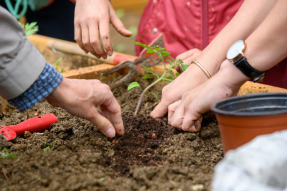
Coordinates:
158 48
150 50
133 85
171 73
31 28
148 76
184 67
177 74
62 71
180 61
101 179
155 96
57 63
148 70
5 154
164 54
142 45
168 79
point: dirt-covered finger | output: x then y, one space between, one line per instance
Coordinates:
105 36
86 39
94 41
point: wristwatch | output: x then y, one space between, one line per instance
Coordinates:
236 56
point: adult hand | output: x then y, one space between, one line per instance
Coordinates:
187 57
83 97
185 114
189 79
92 19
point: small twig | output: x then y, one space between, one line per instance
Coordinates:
153 105
173 183
5 174
38 112
27 115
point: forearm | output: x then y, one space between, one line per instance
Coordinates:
20 62
246 20
266 46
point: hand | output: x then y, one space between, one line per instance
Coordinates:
189 79
186 114
82 98
187 57
92 19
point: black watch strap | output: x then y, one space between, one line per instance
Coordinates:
248 70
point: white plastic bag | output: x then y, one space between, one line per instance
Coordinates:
260 165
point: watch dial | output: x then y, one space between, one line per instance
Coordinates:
235 49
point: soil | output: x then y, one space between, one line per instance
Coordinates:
151 155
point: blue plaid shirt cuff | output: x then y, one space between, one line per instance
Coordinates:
45 84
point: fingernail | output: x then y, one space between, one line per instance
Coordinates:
110 133
110 53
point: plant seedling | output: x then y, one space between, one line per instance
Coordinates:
31 28
150 74
48 148
5 154
57 64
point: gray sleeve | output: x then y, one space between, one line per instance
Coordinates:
20 62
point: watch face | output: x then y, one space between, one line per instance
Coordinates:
236 49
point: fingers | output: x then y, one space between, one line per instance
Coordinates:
113 112
78 37
171 109
86 39
187 57
190 123
190 53
94 40
160 110
177 118
102 123
105 36
117 23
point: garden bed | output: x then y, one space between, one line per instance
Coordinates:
150 156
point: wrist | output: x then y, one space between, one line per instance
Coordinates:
210 62
55 97
233 75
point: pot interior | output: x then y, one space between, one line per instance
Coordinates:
253 105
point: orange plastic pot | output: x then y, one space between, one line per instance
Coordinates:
242 118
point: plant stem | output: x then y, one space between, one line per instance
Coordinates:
145 90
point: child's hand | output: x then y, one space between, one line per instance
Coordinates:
189 79
186 114
187 57
92 20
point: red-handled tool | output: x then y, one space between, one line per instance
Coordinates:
36 124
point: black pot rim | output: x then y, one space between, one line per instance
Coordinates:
215 108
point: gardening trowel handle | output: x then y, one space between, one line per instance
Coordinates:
72 48
36 124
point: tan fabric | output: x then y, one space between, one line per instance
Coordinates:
20 62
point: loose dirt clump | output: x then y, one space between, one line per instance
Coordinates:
150 156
